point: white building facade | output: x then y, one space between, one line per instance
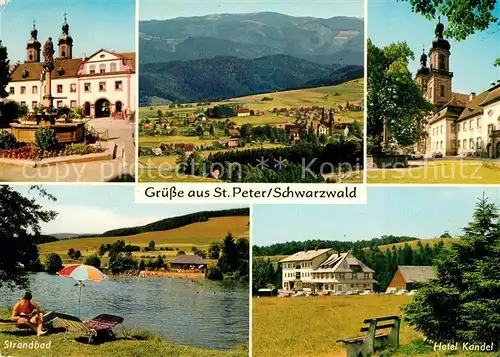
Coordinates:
462 124
103 83
324 271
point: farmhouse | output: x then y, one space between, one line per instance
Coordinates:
243 112
188 262
323 270
408 277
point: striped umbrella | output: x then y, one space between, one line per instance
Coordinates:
81 272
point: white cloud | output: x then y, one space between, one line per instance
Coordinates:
84 219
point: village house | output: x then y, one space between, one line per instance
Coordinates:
243 112
408 277
232 143
323 270
104 83
463 124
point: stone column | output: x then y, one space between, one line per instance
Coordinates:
48 100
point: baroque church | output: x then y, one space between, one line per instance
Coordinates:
462 124
104 83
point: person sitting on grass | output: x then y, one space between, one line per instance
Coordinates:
26 312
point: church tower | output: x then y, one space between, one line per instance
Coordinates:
439 90
423 73
65 42
33 48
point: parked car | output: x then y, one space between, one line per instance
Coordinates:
367 292
402 292
412 292
415 156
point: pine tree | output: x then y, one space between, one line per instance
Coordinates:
463 303
4 71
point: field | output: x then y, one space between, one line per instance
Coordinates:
352 92
440 172
413 244
309 326
154 141
128 343
199 235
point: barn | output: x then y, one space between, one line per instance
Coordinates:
409 277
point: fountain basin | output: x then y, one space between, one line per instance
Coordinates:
66 132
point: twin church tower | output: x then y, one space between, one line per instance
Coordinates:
436 79
65 45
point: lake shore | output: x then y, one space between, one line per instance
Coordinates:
128 343
171 274
160 274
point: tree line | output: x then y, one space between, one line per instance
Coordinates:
289 248
304 162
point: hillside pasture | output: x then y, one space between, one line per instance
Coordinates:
309 326
413 243
199 235
328 96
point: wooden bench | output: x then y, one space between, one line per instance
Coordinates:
364 346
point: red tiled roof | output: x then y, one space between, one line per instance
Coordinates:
64 68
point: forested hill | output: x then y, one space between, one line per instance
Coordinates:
174 222
229 77
290 248
337 39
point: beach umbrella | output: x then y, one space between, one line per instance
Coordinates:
81 273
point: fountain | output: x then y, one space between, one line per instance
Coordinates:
66 132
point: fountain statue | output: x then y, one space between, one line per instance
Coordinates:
48 67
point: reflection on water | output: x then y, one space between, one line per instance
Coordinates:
199 313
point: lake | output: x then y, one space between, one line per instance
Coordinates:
199 313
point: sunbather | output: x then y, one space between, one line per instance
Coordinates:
26 312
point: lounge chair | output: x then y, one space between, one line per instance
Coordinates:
99 327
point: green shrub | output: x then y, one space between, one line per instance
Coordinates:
22 110
214 273
46 139
93 260
7 140
53 263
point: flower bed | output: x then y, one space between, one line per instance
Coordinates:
31 152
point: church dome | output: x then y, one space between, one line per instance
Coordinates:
65 37
33 40
440 41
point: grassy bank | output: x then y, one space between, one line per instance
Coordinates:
309 327
441 172
128 344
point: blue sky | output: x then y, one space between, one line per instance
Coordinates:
94 24
98 208
423 212
167 9
471 60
